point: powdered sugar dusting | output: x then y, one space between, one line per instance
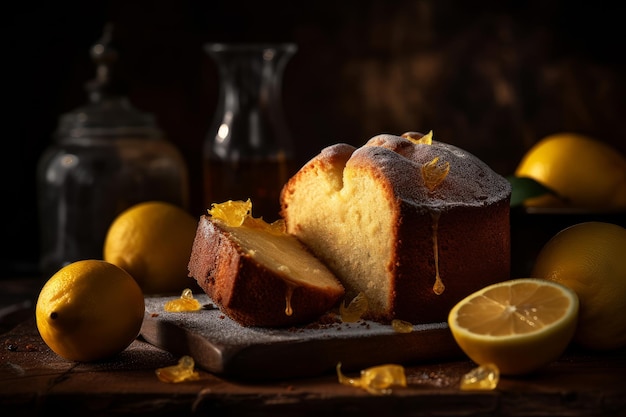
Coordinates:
220 345
470 181
215 326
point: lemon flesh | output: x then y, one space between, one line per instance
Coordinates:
518 325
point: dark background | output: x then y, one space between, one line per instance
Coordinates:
492 77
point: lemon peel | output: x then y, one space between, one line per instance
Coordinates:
590 259
89 310
152 241
580 172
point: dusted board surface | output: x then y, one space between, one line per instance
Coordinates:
222 346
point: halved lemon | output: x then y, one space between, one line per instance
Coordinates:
519 325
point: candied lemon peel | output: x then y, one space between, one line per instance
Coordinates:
377 380
482 378
401 326
434 172
355 309
181 372
426 139
186 302
238 213
231 212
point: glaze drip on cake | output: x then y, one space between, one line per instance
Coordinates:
433 173
438 286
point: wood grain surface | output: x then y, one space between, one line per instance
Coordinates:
34 382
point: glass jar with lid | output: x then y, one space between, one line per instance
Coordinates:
106 156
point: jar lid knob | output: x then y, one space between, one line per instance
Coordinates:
104 56
109 111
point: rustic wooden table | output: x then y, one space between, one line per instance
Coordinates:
35 381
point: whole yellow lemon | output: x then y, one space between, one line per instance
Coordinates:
583 172
590 258
89 310
152 241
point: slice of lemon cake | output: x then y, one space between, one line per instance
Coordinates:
256 273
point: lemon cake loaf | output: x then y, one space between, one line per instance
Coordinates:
412 223
257 274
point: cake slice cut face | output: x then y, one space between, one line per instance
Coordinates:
412 223
260 276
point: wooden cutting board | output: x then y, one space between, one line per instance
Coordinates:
222 346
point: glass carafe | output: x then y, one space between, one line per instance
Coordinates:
248 151
106 156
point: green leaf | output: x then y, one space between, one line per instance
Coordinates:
523 188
